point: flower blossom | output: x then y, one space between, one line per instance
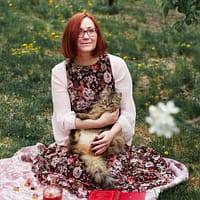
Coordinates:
161 120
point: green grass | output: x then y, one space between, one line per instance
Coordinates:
164 65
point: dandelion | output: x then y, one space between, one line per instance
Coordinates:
125 57
139 64
50 1
24 45
166 153
156 60
54 35
147 104
188 45
151 65
62 21
183 44
84 11
153 48
25 48
90 3
161 120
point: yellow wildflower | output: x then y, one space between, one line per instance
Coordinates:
62 21
153 48
183 44
84 11
139 64
147 104
166 153
90 3
151 65
188 45
24 45
125 57
157 60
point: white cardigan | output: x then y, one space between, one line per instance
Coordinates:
63 119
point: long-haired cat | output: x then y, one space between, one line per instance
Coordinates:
80 140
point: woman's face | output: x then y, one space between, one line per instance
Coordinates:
87 38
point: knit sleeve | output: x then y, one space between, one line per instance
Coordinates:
63 119
123 84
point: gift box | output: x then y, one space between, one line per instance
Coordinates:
115 195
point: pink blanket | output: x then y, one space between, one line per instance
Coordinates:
17 181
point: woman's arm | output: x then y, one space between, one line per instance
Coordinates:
123 84
63 119
106 119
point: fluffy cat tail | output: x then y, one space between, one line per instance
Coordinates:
96 167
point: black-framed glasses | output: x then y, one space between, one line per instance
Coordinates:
91 32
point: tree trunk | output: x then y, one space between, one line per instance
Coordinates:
110 2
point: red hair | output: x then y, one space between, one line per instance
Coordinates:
70 37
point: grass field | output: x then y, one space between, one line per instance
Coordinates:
164 65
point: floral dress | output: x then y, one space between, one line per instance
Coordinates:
86 82
136 168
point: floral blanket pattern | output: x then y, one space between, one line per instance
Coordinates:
24 175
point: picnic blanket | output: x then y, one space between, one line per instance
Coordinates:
18 181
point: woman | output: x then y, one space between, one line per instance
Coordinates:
76 84
85 51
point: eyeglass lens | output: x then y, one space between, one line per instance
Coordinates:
90 32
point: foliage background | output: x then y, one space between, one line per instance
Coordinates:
163 62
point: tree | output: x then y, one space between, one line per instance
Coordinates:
189 8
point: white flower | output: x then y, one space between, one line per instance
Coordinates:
161 121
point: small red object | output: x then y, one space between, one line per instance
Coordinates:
132 195
115 195
104 195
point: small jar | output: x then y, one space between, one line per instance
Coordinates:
52 191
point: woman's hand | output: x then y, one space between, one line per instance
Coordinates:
108 118
102 142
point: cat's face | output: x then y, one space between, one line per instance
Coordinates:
110 99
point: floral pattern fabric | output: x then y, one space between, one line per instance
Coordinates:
86 82
19 182
137 168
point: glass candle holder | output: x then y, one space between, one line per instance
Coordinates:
52 192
